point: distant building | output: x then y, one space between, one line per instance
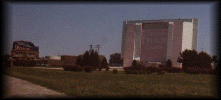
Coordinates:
24 52
58 60
62 60
68 60
156 41
50 61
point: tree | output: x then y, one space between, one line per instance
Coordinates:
204 60
79 61
86 58
115 59
169 63
91 57
214 58
190 58
134 63
104 63
95 62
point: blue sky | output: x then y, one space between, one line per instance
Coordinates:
69 28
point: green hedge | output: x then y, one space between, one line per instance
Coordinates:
142 69
139 69
172 69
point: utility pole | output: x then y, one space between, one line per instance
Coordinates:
98 46
91 48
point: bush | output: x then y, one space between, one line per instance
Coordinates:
205 71
127 70
78 68
213 71
150 69
148 72
169 63
193 70
173 69
99 68
162 65
88 68
134 63
107 68
114 71
139 69
161 72
67 67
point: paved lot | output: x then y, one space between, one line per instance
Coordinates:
17 88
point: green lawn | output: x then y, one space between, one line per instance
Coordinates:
107 84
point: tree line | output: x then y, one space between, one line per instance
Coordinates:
190 58
192 62
91 58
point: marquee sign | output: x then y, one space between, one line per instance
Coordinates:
154 41
24 45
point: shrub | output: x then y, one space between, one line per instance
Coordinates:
173 69
150 69
138 69
107 68
162 65
177 70
88 68
99 68
67 67
114 71
127 70
213 71
78 68
161 72
104 63
148 72
169 63
192 70
205 71
134 63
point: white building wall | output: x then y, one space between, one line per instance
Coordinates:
187 36
169 40
124 34
195 32
55 57
137 41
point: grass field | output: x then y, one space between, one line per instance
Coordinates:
106 84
